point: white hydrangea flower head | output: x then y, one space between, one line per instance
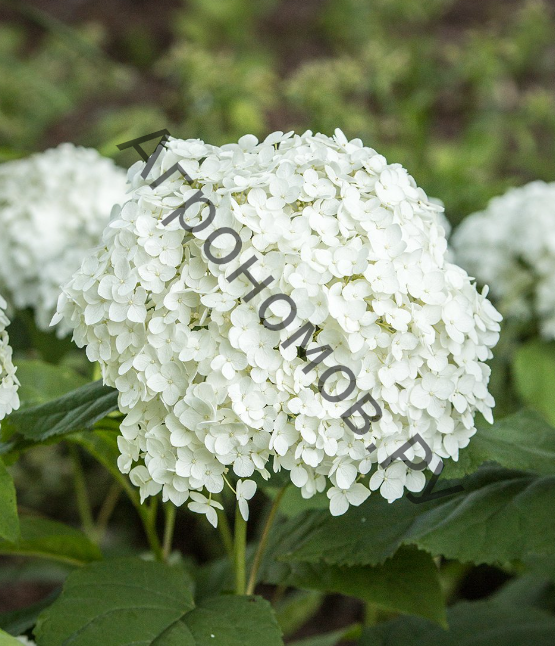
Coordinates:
510 246
53 208
209 389
9 399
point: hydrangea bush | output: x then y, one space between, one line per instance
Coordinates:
9 384
511 246
53 209
207 389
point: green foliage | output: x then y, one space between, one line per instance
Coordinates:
520 441
407 582
51 540
42 382
534 373
500 516
77 410
470 624
9 523
129 600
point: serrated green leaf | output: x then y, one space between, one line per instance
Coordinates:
522 441
482 623
9 521
534 373
131 601
501 516
408 582
42 382
8 640
51 540
75 411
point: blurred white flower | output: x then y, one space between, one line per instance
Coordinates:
53 209
209 388
9 399
25 640
510 246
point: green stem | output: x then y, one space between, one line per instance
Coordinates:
83 502
240 552
170 512
225 533
148 516
263 542
107 510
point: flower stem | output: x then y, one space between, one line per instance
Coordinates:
170 511
240 552
225 533
148 516
107 510
263 541
83 502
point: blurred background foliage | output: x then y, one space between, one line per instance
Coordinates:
461 92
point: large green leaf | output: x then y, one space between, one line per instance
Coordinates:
52 540
500 516
9 522
534 373
480 623
408 582
521 441
131 601
75 411
41 382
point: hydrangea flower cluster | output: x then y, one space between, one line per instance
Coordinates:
511 246
209 389
53 209
9 399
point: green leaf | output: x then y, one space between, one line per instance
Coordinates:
528 590
534 373
131 601
9 522
521 441
52 540
293 503
482 623
500 516
41 382
75 411
408 582
8 640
